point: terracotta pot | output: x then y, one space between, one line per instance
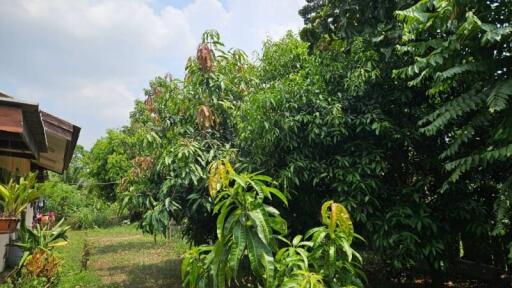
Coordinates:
8 224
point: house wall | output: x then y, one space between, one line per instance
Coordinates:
19 166
4 240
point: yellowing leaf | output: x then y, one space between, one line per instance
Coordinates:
336 216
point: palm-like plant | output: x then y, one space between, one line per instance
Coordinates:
15 197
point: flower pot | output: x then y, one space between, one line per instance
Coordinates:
8 224
14 255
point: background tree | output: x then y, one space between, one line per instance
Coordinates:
108 162
76 171
184 126
337 112
462 55
451 47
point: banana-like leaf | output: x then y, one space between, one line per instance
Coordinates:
16 196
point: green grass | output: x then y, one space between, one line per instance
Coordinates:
122 257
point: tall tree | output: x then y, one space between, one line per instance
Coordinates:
183 127
462 54
455 55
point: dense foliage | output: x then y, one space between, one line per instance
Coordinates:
79 207
181 127
107 162
398 109
246 252
462 55
453 55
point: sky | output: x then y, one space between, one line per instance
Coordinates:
86 61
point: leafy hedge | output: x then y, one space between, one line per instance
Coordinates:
79 208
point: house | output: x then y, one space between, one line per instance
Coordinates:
32 140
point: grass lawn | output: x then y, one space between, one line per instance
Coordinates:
122 257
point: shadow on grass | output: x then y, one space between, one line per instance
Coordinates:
137 262
132 245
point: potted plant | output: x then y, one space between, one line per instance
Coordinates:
14 199
34 257
41 237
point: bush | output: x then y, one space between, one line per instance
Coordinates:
81 209
87 217
62 198
246 252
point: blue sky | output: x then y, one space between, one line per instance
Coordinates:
88 60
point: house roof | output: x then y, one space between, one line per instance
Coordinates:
28 132
31 121
62 137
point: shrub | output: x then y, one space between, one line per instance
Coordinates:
18 194
81 209
41 238
62 198
247 253
94 216
40 266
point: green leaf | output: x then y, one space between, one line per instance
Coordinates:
238 247
277 193
261 225
499 96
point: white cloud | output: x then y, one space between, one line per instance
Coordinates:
87 60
